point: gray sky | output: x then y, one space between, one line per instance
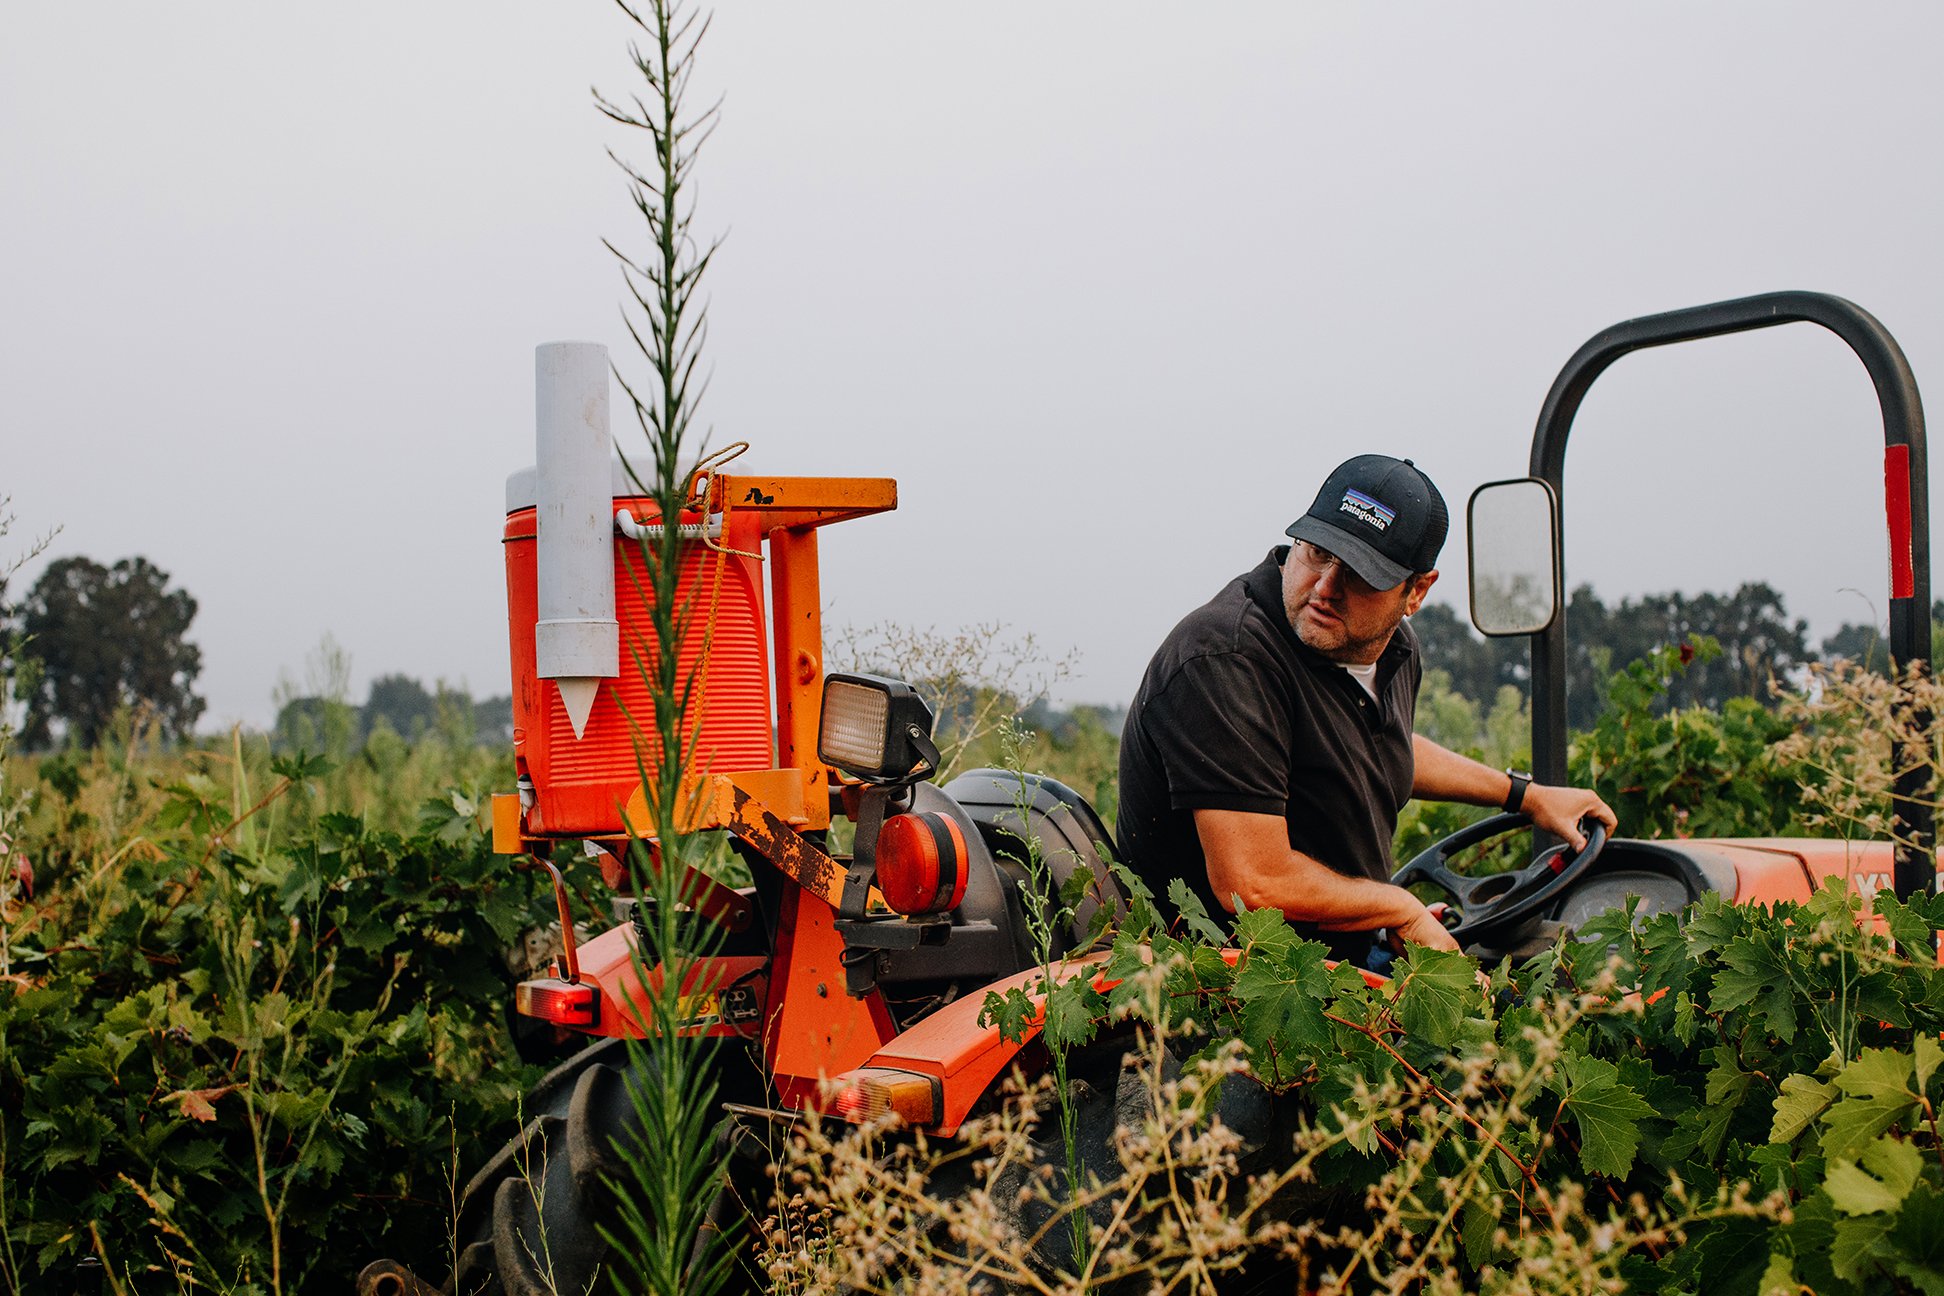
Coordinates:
1108 288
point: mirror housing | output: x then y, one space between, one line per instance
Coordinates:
1512 534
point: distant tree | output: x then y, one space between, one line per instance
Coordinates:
1869 646
493 721
1866 645
1478 667
106 638
403 703
1759 644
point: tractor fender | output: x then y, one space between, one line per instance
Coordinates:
966 1056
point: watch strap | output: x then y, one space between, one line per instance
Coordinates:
1516 796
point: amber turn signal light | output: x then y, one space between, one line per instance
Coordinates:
872 1093
921 863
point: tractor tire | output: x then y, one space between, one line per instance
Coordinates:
530 1221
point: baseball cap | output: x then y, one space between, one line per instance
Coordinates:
1380 515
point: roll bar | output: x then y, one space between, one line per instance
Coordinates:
1906 497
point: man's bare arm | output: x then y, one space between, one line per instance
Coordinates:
1249 857
1444 775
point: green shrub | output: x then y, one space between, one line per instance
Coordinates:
1692 772
249 1070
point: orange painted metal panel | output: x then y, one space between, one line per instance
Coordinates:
1769 869
797 621
799 503
506 825
816 1030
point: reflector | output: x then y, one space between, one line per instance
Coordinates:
921 863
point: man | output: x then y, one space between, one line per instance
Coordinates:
1270 746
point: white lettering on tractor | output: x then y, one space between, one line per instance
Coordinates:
1867 885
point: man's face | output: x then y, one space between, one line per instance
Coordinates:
1338 613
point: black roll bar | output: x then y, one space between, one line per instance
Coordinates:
1907 505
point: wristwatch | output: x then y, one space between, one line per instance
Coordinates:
1516 797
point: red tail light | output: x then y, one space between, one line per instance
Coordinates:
564 1003
921 863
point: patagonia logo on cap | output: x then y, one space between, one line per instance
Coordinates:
1365 509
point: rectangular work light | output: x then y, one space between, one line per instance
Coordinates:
875 729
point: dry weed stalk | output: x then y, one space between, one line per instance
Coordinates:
973 679
880 1209
1858 733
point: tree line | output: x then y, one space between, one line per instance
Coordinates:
1760 645
89 642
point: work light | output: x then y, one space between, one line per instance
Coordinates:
875 729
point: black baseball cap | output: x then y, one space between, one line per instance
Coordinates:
1380 515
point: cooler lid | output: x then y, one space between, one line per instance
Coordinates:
523 487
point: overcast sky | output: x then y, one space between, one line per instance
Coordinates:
1106 287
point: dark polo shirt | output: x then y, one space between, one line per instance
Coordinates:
1235 713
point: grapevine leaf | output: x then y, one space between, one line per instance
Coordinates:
1779 1278
1072 1008
1607 1113
1877 1094
1929 1054
1809 1236
1880 1183
1776 1167
1880 998
1685 1022
1282 1006
1705 1128
1665 963
1478 1224
1075 888
1265 931
1140 901
1919 1235
1711 925
1802 1099
1731 1256
1194 913
1437 986
1858 1247
1727 1082
1011 1012
1906 928
1754 975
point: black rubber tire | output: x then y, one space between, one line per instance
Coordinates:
530 1221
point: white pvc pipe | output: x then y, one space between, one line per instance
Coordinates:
577 640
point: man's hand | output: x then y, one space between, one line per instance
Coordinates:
1426 929
1558 810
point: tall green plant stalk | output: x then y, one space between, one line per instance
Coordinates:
1047 911
664 1239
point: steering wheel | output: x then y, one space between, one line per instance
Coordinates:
1491 907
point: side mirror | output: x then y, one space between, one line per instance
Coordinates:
1513 529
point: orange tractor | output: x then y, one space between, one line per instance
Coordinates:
854 982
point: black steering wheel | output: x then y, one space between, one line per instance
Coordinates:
1492 907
